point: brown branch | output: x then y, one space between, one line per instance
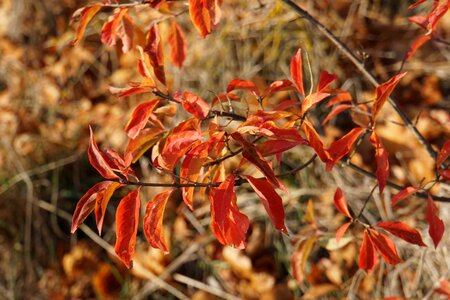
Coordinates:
343 48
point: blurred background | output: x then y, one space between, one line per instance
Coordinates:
50 92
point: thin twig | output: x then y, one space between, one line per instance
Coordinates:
367 201
360 66
204 287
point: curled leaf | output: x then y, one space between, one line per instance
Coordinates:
297 71
383 92
98 160
86 14
341 203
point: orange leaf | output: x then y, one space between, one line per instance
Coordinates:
176 146
443 154
109 29
177 43
406 192
383 92
126 33
437 227
444 288
153 48
200 16
195 105
416 45
250 153
335 111
341 231
127 220
382 159
102 202
87 203
341 147
98 160
311 100
153 221
339 96
297 71
403 231
368 257
146 139
272 147
140 117
341 203
228 224
86 14
239 84
385 247
279 85
316 142
270 199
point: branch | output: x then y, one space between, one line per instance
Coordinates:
396 186
360 66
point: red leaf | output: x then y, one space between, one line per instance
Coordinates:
325 80
335 111
284 105
194 161
403 231
368 257
97 159
177 43
176 146
126 33
153 48
341 203
250 153
420 20
444 288
228 224
297 71
195 105
239 84
153 221
382 159
436 15
341 147
316 142
385 247
443 154
272 147
270 199
383 92
312 100
127 220
102 202
146 139
445 174
436 229
416 45
276 86
339 97
140 117
200 16
406 192
109 31
341 231
86 14
87 203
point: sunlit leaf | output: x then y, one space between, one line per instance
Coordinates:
101 203
97 159
177 43
406 192
140 117
341 203
195 105
297 71
127 220
85 14
153 221
385 247
383 92
153 48
108 34
341 147
341 231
